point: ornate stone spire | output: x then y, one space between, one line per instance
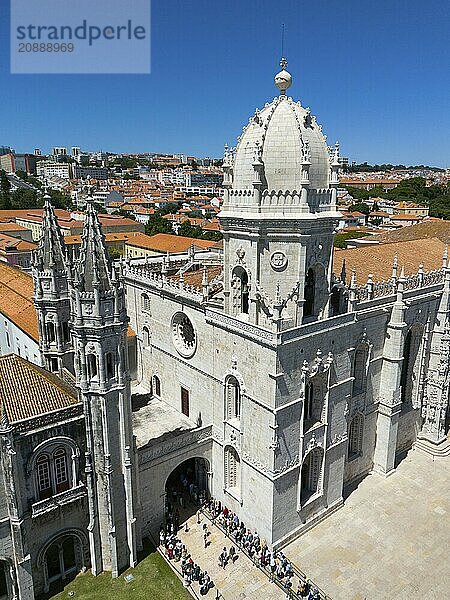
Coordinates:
51 252
283 79
94 265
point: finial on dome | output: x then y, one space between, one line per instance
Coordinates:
283 79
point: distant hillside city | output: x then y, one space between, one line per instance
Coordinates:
144 200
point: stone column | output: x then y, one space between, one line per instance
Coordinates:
390 389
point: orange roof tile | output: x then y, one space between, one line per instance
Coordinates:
377 259
16 299
45 391
166 242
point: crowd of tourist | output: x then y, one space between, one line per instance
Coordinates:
176 551
275 564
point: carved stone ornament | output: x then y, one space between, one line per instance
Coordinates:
278 261
240 253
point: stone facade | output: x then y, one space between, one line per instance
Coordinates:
283 381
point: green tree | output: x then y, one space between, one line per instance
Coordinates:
361 207
157 224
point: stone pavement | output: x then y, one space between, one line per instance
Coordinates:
238 581
390 540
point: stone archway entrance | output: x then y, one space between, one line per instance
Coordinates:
186 487
7 583
63 559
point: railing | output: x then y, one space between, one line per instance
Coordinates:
290 593
49 504
419 280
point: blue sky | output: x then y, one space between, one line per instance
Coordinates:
376 74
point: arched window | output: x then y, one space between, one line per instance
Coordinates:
355 436
239 283
61 470
50 330
311 474
145 302
145 337
360 369
335 300
53 472
313 403
232 465
310 284
156 386
410 366
110 365
44 483
92 366
232 398
65 332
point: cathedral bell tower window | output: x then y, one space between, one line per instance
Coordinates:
308 307
50 330
110 365
239 282
92 366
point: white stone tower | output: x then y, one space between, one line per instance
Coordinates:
279 215
99 326
51 298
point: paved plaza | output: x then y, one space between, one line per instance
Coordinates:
390 540
238 581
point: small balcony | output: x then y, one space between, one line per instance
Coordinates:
57 501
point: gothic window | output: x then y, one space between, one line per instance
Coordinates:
43 477
65 332
145 302
54 472
355 436
410 366
313 403
232 466
145 337
308 306
62 559
185 401
232 398
311 474
110 365
61 470
156 386
335 301
239 283
360 369
92 366
50 330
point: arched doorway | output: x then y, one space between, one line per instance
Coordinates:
186 487
7 581
63 559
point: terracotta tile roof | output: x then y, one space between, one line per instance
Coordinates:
8 242
166 242
377 259
428 228
45 391
11 226
195 278
16 299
